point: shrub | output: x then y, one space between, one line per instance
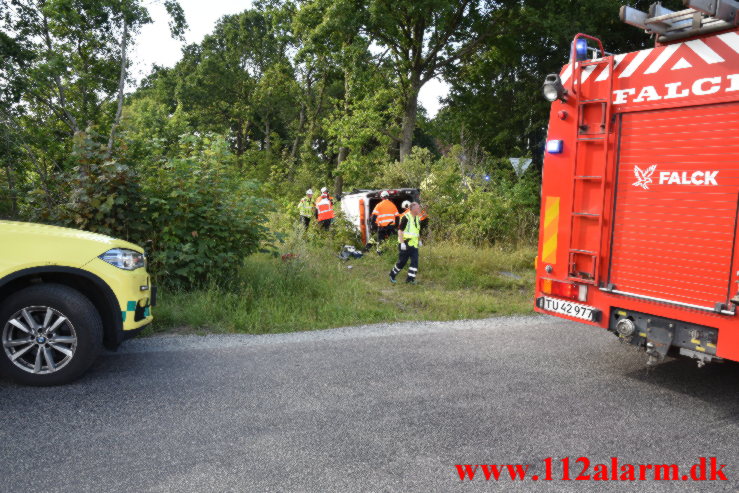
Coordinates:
103 195
204 217
193 212
480 202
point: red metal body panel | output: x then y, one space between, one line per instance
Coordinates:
664 233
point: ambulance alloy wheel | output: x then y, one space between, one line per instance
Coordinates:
50 335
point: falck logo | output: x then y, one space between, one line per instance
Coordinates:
644 176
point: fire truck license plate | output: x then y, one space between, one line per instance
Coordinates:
568 308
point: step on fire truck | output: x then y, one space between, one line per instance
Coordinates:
640 192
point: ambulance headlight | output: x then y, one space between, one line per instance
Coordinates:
553 89
124 258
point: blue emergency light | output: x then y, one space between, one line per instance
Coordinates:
555 146
581 49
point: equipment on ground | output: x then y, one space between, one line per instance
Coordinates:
349 252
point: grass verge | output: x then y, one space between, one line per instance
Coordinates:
317 290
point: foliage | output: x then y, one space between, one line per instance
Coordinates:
62 64
410 173
495 97
192 211
104 195
204 219
479 199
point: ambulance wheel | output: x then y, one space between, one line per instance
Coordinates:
50 335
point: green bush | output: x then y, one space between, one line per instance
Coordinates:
194 213
205 218
103 194
464 206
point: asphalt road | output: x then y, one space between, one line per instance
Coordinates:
377 408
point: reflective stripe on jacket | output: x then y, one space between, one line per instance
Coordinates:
325 208
385 213
421 217
305 208
412 231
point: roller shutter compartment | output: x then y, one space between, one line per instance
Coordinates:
675 220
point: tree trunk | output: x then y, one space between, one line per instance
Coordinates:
314 115
11 191
339 178
67 117
121 87
267 143
301 124
241 136
410 113
343 150
338 186
239 139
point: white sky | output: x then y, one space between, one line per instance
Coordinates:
154 44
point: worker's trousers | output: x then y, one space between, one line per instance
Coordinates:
385 232
403 257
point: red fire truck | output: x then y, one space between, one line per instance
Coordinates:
640 193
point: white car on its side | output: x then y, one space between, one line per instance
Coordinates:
357 207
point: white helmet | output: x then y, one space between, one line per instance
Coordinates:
384 194
309 191
324 190
406 204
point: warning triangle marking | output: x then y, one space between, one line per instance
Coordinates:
682 63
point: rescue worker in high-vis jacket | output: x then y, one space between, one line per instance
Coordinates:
423 217
305 208
406 206
385 214
325 209
409 240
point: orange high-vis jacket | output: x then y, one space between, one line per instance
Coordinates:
421 217
325 208
385 213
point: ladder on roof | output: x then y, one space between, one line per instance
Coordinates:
594 127
700 17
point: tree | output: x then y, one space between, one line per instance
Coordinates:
424 38
14 57
495 97
78 68
216 80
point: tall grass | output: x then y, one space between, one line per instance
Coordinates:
317 290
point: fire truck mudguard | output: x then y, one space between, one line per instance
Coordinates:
640 191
